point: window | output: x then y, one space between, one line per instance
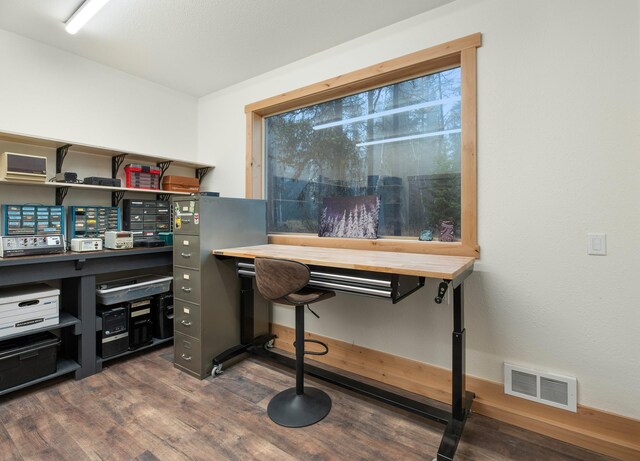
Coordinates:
400 142
403 130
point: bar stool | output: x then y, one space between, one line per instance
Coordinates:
284 282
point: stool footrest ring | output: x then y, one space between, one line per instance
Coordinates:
315 341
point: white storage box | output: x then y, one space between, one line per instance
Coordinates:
129 289
27 307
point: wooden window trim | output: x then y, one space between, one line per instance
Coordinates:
460 52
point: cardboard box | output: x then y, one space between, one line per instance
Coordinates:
27 307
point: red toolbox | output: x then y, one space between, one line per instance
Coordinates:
142 176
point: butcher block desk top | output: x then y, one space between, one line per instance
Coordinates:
422 265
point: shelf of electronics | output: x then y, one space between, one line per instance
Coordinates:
21 177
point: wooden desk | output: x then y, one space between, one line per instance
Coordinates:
452 270
430 266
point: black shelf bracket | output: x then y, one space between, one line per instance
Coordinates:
202 172
61 193
116 197
116 163
61 153
164 166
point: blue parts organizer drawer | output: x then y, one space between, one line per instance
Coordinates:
92 221
32 219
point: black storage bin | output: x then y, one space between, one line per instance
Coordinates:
162 315
26 358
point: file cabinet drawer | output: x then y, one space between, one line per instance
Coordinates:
186 250
187 352
186 284
187 318
187 217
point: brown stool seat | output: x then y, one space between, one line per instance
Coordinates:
285 282
306 296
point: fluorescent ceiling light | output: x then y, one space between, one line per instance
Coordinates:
384 113
83 14
407 138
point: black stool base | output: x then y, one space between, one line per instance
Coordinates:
291 410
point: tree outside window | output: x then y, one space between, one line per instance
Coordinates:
400 142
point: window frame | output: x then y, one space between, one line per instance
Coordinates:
460 52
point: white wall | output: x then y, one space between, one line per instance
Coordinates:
49 93
558 156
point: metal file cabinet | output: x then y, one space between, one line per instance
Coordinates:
206 289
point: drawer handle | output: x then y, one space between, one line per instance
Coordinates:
186 289
185 221
186 323
186 357
185 255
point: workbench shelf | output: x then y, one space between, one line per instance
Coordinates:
66 320
77 273
64 366
156 342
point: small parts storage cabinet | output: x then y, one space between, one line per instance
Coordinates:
146 218
206 289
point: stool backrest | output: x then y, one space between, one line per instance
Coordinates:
277 278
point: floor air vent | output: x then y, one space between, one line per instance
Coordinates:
557 391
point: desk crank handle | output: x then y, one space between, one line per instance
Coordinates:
442 289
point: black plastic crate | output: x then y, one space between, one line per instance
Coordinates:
26 358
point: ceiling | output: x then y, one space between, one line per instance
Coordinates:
200 46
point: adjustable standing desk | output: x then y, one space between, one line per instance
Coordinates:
451 270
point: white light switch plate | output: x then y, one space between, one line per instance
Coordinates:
597 244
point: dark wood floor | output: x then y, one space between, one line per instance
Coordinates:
143 409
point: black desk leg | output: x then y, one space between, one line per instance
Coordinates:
247 340
458 365
461 399
246 310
